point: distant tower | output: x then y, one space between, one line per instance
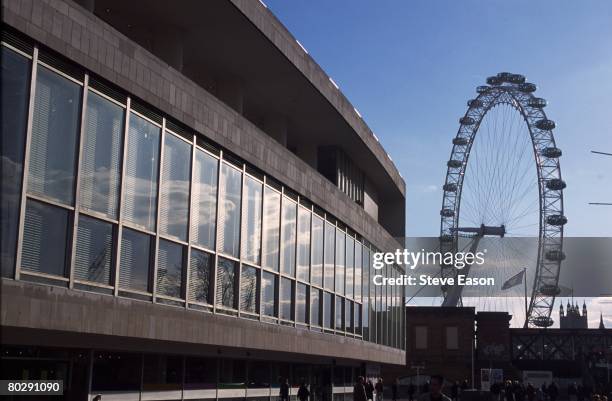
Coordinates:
601 323
561 314
572 319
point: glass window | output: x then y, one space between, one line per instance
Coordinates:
232 375
358 271
303 253
170 269
330 239
200 266
339 313
366 293
174 194
141 166
317 251
229 217
315 307
162 372
226 284
101 157
204 213
348 315
268 294
288 237
46 236
55 126
252 220
340 257
94 250
350 266
259 375
357 319
327 310
116 372
135 256
248 289
271 227
15 89
286 299
301 302
200 373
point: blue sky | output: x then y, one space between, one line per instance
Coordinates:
410 66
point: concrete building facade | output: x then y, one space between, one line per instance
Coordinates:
189 207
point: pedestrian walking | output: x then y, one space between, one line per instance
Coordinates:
284 390
359 392
379 387
303 392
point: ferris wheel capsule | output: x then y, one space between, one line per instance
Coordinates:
551 152
504 76
454 163
555 184
545 124
482 89
467 120
460 141
475 103
537 102
447 212
450 187
542 321
555 255
556 220
527 87
494 81
516 79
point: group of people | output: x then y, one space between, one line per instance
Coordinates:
517 391
368 391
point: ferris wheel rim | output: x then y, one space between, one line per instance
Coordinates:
511 89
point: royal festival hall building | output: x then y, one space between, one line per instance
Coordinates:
189 207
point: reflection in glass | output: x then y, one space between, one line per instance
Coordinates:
328 315
350 266
315 307
248 289
301 303
55 127
252 220
203 216
288 237
268 294
303 252
174 194
330 240
348 315
226 284
339 313
170 269
271 227
200 373
141 167
357 319
317 251
286 299
229 216
200 267
94 250
134 266
15 93
358 271
101 156
45 239
340 253
366 293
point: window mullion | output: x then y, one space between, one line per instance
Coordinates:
77 184
26 162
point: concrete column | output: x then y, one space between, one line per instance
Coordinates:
89 5
231 91
168 45
276 127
